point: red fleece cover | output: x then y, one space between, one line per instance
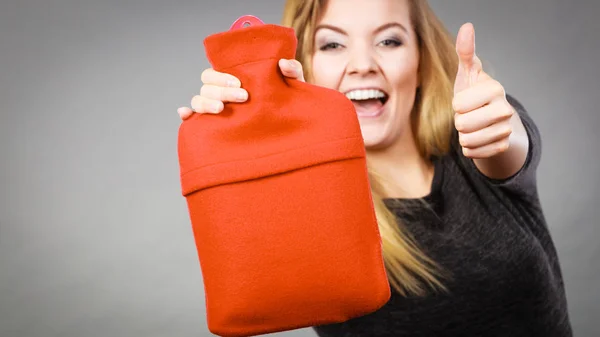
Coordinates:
278 197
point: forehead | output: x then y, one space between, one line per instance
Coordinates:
365 14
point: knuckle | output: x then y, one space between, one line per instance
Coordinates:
291 72
498 88
293 64
221 93
459 123
203 105
210 92
464 140
196 103
466 152
456 102
230 81
506 111
238 95
211 106
229 94
503 145
204 90
509 111
503 112
206 74
295 69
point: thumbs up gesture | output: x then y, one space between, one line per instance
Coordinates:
483 117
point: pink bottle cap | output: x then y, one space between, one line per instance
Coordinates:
246 21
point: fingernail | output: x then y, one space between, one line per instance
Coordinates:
466 152
215 107
472 77
242 95
232 83
292 64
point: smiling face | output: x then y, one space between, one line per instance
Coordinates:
368 50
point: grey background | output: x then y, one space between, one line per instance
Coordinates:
95 238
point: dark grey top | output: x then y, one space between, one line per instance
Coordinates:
493 238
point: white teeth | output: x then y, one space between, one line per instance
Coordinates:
365 94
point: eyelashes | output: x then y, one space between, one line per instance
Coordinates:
329 46
392 42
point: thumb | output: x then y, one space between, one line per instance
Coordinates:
291 68
469 65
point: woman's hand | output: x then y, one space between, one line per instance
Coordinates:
490 131
220 88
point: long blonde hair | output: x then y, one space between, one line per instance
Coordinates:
410 271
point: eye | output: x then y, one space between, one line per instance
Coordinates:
391 43
331 45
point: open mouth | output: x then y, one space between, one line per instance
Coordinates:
368 102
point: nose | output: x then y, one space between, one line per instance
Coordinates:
361 61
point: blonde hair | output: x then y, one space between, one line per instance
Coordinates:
410 270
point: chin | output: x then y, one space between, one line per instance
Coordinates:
374 142
379 133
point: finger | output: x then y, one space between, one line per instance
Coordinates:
206 105
465 45
477 96
483 117
488 150
223 94
213 77
485 136
291 68
184 112
469 65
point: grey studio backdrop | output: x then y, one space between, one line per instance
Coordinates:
95 238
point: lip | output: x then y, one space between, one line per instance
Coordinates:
375 113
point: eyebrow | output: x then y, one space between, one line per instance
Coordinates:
379 29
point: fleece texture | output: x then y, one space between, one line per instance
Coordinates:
278 197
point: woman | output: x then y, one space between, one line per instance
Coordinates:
452 163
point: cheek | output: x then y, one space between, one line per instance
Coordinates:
326 71
402 73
